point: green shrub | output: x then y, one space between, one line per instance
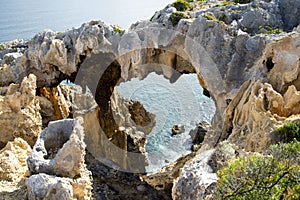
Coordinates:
242 1
274 175
210 17
273 31
182 5
225 3
176 17
289 131
1 47
118 29
201 1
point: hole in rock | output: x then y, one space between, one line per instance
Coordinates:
55 143
181 102
269 64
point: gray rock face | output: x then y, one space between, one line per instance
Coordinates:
197 134
47 187
289 10
57 165
59 150
197 178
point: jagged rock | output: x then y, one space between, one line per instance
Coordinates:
142 119
199 133
128 117
47 110
197 178
56 163
224 52
20 112
59 150
256 111
13 157
177 129
13 169
163 180
288 10
44 186
109 183
58 100
202 45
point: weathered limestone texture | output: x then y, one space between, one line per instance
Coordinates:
59 152
20 112
14 169
197 178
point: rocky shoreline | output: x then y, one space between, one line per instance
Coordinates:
62 141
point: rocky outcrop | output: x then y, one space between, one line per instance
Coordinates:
56 163
20 112
197 134
250 69
163 180
110 183
177 129
217 42
14 169
198 174
197 178
260 106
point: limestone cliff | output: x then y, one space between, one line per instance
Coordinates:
250 69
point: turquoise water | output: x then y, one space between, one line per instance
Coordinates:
25 18
179 103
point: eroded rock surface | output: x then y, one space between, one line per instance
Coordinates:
14 169
250 69
57 161
197 178
20 112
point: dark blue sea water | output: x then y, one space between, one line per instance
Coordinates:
25 18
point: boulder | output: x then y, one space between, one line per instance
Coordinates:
59 149
56 164
20 112
13 166
178 129
197 178
48 187
197 134
14 169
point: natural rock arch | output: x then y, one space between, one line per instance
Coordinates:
101 73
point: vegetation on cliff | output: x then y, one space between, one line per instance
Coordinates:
182 5
176 17
272 175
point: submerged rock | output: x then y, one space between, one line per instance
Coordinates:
59 152
178 129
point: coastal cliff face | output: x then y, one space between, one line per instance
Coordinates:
250 68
